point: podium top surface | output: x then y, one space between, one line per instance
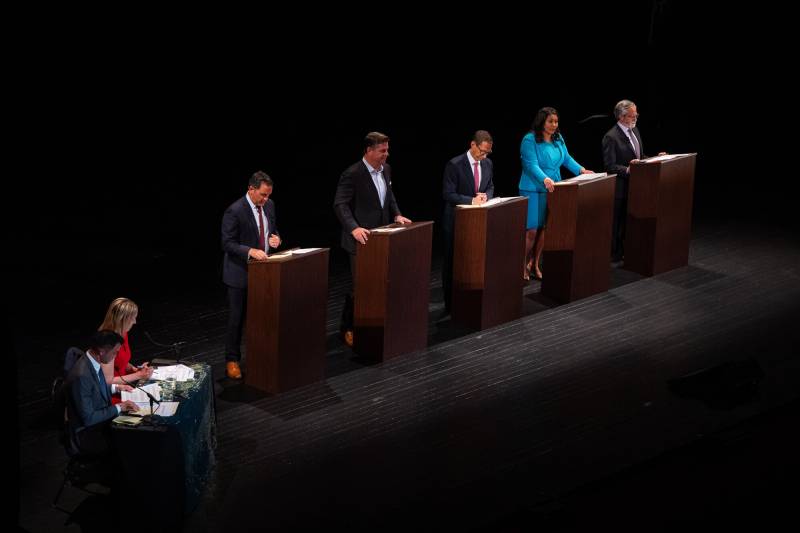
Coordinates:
577 180
290 255
395 227
668 158
494 202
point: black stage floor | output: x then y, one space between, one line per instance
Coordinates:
666 401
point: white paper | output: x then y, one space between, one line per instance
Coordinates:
585 177
385 230
179 373
658 158
162 409
494 201
138 396
304 250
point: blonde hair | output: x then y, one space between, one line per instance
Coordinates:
119 312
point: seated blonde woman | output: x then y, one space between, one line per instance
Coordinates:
120 318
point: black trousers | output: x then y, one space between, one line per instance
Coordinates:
347 309
237 306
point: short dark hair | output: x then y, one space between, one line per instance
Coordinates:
258 178
105 338
374 138
482 136
537 128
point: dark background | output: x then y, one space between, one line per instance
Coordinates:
137 132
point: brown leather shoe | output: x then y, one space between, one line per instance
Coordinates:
348 338
233 370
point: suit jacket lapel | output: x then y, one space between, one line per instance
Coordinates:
250 216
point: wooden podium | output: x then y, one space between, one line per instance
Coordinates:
659 224
392 289
287 297
488 254
577 244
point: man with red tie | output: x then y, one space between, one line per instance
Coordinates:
467 180
248 233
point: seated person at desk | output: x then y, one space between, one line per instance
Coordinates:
120 318
88 396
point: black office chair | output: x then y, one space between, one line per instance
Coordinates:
82 471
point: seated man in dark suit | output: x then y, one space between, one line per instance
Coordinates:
467 180
364 200
89 407
248 231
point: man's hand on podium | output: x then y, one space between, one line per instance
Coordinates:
400 219
258 255
127 406
360 234
480 198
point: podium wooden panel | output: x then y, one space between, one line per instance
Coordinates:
286 305
575 261
659 224
488 254
392 289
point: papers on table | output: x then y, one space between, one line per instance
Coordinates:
386 230
586 177
303 250
296 251
177 372
658 158
490 203
138 395
126 420
162 409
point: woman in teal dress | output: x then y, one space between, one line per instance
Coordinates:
543 152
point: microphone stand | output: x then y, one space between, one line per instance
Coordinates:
152 399
176 347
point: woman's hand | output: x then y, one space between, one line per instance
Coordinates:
549 185
585 171
144 373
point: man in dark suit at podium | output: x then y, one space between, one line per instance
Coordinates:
622 146
364 200
248 232
467 180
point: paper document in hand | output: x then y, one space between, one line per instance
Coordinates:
138 395
179 373
593 175
162 409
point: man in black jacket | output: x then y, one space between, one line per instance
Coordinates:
364 200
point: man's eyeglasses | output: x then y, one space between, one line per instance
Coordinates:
484 152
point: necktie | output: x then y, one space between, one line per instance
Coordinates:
261 241
477 176
635 144
103 386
